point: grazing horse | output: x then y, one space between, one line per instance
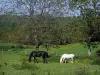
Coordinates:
64 57
42 54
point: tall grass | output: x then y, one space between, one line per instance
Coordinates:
25 66
82 71
96 61
85 71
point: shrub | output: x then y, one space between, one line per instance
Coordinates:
19 46
96 72
33 73
81 71
13 46
85 61
96 61
98 53
24 65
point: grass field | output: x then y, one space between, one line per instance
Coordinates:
14 61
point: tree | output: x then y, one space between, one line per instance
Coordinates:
89 14
41 13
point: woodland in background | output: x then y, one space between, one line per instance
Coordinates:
51 27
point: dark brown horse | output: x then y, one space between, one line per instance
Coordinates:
42 54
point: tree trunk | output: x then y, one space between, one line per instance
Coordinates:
89 52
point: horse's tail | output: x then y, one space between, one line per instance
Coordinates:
30 56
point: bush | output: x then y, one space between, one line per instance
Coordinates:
85 61
96 61
24 65
33 73
19 46
13 46
98 53
81 71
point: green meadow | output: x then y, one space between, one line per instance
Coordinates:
14 61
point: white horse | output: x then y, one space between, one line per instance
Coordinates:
64 57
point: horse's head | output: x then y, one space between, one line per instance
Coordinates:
61 61
29 61
30 56
76 57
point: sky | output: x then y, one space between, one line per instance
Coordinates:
8 6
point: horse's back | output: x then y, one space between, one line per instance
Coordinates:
44 54
67 55
72 55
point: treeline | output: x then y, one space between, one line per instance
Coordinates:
47 22
29 30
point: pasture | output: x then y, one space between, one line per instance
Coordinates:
14 61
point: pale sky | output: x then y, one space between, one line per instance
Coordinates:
5 5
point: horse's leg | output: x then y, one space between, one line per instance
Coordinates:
43 60
72 60
46 61
34 59
65 60
62 60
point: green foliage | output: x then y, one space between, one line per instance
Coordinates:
55 30
96 61
19 46
84 60
14 47
97 53
50 28
81 71
25 66
33 73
